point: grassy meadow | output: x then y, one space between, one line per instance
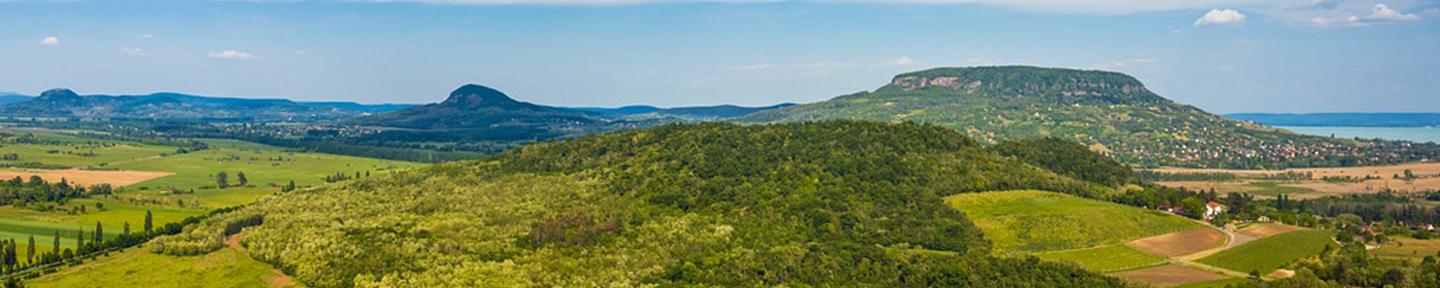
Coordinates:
1029 222
1270 253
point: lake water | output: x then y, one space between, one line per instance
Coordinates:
1417 134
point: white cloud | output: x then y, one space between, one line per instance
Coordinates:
1123 63
1383 13
127 51
1220 17
51 40
904 61
1379 14
233 54
147 36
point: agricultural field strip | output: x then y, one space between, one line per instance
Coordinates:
1240 257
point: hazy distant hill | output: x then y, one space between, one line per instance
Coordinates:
696 112
11 97
1343 119
1110 112
475 106
480 118
66 103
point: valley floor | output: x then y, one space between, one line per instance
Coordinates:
1341 180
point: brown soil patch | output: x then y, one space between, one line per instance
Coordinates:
1262 230
278 279
1168 275
86 177
1180 243
1280 274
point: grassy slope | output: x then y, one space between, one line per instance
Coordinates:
1270 253
1023 222
140 268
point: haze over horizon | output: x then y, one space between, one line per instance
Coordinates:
1223 56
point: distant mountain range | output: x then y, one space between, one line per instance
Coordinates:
1342 119
697 112
479 118
11 97
1110 112
66 103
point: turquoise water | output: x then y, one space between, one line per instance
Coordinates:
1417 134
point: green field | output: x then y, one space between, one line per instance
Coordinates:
266 167
1270 253
1272 188
1408 248
1027 222
140 268
77 151
1108 258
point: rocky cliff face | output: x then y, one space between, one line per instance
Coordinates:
1015 81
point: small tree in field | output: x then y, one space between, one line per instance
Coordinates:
222 180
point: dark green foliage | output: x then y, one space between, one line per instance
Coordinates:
1066 158
41 195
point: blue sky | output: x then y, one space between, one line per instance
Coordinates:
1224 56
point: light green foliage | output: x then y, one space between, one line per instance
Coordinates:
818 204
1024 222
1270 253
1108 258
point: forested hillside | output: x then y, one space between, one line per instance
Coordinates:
806 204
1067 158
1109 112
